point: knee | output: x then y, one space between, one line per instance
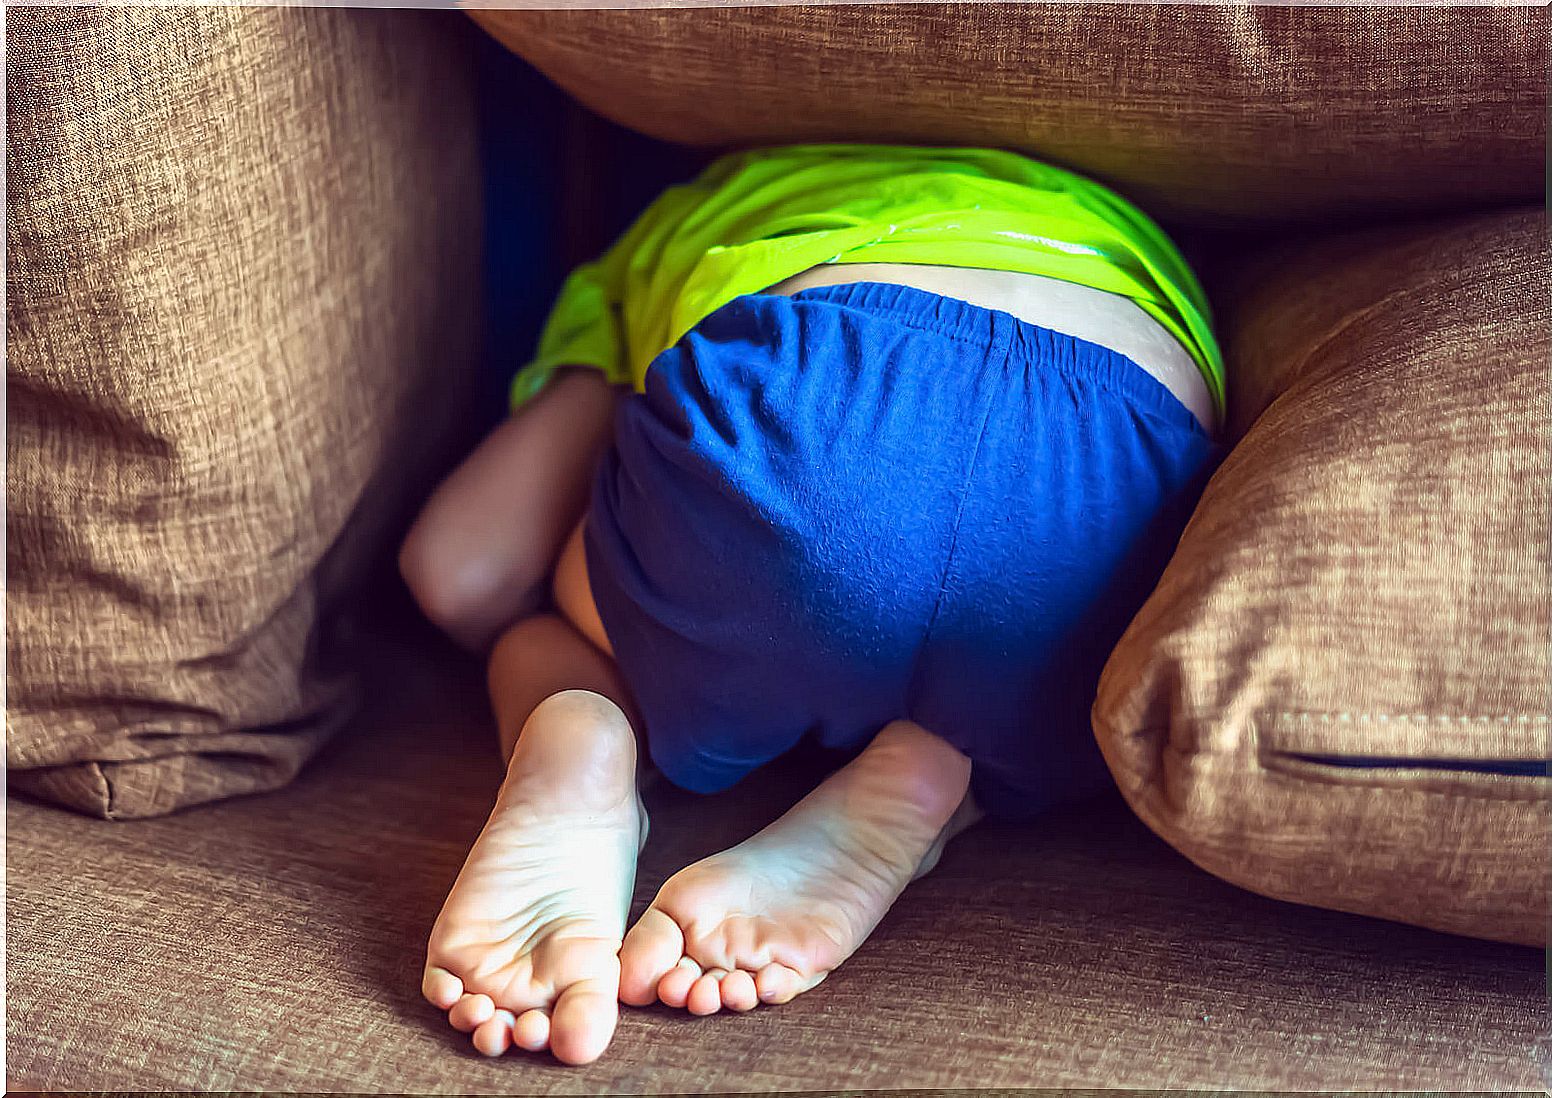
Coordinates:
455 585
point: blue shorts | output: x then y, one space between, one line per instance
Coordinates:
866 502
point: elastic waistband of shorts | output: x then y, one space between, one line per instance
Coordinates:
1005 334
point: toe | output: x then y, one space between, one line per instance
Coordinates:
440 987
494 1036
738 991
583 1020
652 948
778 983
706 993
674 988
471 1012
531 1031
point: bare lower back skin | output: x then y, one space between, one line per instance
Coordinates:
1107 319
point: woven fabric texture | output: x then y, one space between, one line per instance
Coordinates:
234 284
274 944
1352 637
1224 113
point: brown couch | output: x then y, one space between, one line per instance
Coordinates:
242 285
274 944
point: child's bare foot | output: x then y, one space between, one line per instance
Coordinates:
768 919
526 949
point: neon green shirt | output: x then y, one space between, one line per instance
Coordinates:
756 218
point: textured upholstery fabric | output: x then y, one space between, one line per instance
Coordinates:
232 279
274 944
1366 578
1214 112
232 273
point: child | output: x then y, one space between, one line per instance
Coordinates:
913 433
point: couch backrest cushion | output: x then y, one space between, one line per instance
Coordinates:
243 250
1210 112
1338 693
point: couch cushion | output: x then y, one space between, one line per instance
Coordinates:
1209 112
275 943
233 279
1338 693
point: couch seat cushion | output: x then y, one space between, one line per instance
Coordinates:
275 943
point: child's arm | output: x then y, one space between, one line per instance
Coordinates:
481 551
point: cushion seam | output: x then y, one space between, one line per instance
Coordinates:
1529 788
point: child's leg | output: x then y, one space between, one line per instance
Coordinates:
478 556
539 657
768 919
526 948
